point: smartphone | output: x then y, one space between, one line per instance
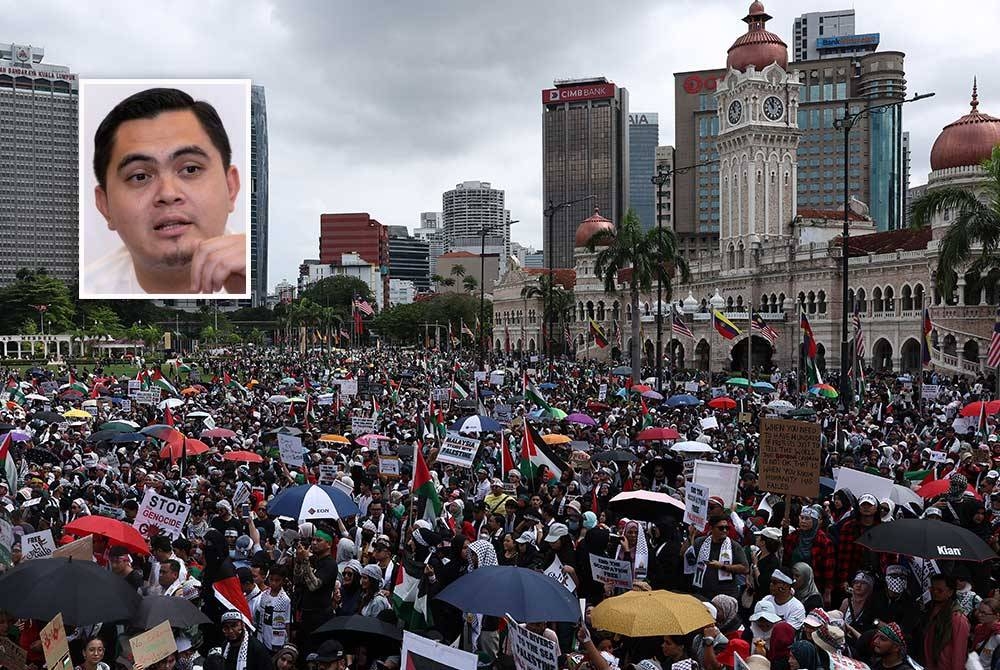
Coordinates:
245 510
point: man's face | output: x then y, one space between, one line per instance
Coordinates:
374 510
167 189
882 645
232 630
167 576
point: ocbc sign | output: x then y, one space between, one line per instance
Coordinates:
694 83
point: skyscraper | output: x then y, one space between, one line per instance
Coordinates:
585 152
643 138
356 233
258 196
409 258
469 208
665 193
819 35
430 230
38 165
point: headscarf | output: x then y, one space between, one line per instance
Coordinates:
894 634
806 538
485 553
82 504
727 613
782 637
805 653
890 515
640 565
346 550
808 589
957 485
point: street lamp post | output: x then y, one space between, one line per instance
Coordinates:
482 290
550 213
846 124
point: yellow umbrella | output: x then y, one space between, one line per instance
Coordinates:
651 613
555 438
334 438
252 383
77 414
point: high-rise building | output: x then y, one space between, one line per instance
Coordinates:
430 230
585 153
471 207
535 260
665 192
38 165
519 251
913 194
357 233
875 159
258 195
409 258
643 138
819 35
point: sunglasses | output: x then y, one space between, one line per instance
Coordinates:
721 528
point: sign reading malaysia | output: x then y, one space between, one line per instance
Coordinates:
163 513
576 93
458 450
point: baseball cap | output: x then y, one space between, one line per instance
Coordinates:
770 532
993 474
556 531
331 650
765 610
527 537
868 498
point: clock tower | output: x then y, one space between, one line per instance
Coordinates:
758 102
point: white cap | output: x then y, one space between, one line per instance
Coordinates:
765 610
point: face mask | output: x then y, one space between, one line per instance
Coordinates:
573 526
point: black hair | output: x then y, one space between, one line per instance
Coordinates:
161 542
175 566
949 580
149 104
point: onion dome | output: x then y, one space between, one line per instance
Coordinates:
717 301
757 46
967 141
690 304
591 227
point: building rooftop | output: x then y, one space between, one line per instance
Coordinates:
908 239
566 277
835 214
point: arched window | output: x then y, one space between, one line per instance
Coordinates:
600 310
590 309
731 253
616 311
850 299
889 301
739 303
729 304
906 296
811 303
628 311
740 255
878 306
918 296
821 302
781 303
861 302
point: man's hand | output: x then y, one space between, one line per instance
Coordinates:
220 262
302 553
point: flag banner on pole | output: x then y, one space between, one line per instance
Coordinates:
993 357
859 338
678 326
364 306
925 340
724 326
759 326
600 339
813 375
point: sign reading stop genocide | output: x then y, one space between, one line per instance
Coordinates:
160 512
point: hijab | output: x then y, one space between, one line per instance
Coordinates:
805 653
782 637
727 613
808 589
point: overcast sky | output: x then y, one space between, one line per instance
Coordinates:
381 106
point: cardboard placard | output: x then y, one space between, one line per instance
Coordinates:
930 391
340 485
696 504
362 425
611 571
110 512
709 422
721 479
530 650
37 545
324 399
388 466
78 550
327 473
421 653
458 450
290 450
12 656
348 387
154 645
55 646
789 457
157 511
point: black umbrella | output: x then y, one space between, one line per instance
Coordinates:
155 610
101 435
83 591
525 594
617 455
48 417
356 630
40 456
925 538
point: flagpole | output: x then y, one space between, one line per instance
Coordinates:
670 344
800 356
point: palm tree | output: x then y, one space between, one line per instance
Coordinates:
470 283
974 231
557 300
437 280
449 281
458 270
648 256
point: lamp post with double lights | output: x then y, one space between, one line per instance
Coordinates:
846 124
550 213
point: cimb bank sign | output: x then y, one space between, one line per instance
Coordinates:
552 96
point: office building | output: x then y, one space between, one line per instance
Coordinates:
585 152
430 230
471 207
401 292
38 165
519 252
535 260
409 259
355 233
258 195
643 138
819 35
457 265
665 192
875 168
912 194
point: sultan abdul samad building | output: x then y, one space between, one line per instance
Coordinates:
781 258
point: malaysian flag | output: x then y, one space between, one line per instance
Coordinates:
364 307
678 326
758 325
859 337
993 357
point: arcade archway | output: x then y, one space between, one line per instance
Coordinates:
762 353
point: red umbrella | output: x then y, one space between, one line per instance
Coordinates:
976 408
164 432
174 449
244 456
117 532
641 388
722 402
938 487
218 432
658 434
595 406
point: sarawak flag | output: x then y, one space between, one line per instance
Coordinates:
600 339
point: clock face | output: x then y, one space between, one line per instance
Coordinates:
735 111
773 108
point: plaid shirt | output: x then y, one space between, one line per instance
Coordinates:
851 556
822 559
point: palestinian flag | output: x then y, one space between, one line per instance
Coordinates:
409 595
375 409
534 453
7 462
14 394
160 382
600 339
168 416
532 394
458 390
506 458
394 396
231 383
228 593
436 417
809 350
647 419
423 487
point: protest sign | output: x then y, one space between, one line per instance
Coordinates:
458 450
146 397
479 375
421 653
611 571
37 545
362 425
327 473
159 511
691 387
348 386
923 570
109 511
442 394
503 414
709 422
55 646
555 571
531 651
134 385
789 457
496 378
602 393
963 424
154 645
721 479
324 399
92 409
126 405
930 391
939 457
388 466
78 550
860 483
12 656
739 663
291 450
340 485
208 422
695 504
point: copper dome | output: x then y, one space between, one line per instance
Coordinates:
967 141
757 46
591 227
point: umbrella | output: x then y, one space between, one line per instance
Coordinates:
339 439
525 594
722 402
930 539
174 450
580 418
163 432
640 388
595 406
692 447
198 415
977 408
171 403
651 613
84 592
682 400
356 630
298 400
286 430
548 386
557 414
617 455
645 505
312 502
122 438
622 370
49 417
824 391
780 406
180 612
738 381
77 414
802 412
35 396
278 399
938 487
243 456
652 395
656 433
39 455
477 423
763 386
556 438
218 432
288 381
190 390
366 440
117 533
102 435
904 495
120 425
579 445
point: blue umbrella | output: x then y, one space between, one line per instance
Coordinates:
128 437
486 393
312 501
622 392
548 386
477 423
682 400
525 594
763 386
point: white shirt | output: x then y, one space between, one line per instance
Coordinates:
793 612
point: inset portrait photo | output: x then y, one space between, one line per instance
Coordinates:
164 188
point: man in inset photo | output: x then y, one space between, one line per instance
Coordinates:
166 185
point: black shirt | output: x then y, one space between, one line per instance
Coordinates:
321 599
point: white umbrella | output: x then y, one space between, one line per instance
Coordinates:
171 403
198 415
35 396
89 403
692 447
902 495
780 406
278 399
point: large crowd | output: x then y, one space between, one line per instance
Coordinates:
785 578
